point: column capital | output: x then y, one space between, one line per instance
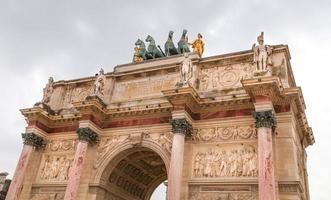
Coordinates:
265 119
88 135
181 126
33 139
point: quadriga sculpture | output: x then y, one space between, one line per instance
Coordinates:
141 49
169 46
152 50
183 46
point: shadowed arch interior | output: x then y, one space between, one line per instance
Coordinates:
134 174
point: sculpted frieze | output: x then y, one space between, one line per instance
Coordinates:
55 168
225 133
223 196
223 193
61 145
47 197
225 77
227 161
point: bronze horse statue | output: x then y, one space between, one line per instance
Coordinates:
142 52
152 50
169 46
183 46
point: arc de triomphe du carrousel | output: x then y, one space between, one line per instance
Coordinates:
229 126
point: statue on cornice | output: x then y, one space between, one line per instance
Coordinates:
198 45
99 84
48 91
262 54
186 71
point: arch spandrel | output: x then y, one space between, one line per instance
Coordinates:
159 142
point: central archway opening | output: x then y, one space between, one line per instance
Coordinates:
135 174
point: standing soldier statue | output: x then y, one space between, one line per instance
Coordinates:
262 54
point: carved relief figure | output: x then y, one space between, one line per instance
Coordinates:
56 168
262 54
226 162
105 146
165 142
99 83
48 91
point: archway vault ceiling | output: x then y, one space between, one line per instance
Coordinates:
138 173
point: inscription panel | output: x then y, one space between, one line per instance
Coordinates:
145 87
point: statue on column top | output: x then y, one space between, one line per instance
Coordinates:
186 71
99 83
262 54
48 91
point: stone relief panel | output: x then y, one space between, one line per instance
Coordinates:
106 144
223 193
226 161
61 145
55 168
224 77
164 140
144 87
47 197
225 133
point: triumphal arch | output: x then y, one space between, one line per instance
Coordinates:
225 127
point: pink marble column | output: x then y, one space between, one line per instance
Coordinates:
181 128
31 141
76 170
85 136
265 123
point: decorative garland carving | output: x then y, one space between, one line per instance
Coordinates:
239 161
225 133
33 140
223 196
61 145
48 196
264 119
86 134
181 126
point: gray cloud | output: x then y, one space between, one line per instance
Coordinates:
70 39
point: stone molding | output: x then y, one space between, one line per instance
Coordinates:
181 126
265 119
87 135
33 140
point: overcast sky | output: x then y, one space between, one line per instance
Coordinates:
70 39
